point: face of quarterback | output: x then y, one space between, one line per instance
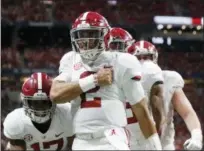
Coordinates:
88 39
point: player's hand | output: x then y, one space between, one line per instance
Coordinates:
193 144
105 76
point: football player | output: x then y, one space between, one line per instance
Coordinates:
176 99
39 124
99 81
152 80
118 39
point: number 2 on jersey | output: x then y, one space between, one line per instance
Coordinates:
96 102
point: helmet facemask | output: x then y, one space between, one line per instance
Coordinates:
144 54
88 42
117 45
38 109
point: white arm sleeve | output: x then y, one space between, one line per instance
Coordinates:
131 81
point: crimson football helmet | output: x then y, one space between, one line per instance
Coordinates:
144 50
35 97
87 35
118 39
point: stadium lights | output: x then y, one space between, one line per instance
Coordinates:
177 20
194 32
112 2
160 26
169 41
198 27
183 27
165 31
169 26
179 32
158 40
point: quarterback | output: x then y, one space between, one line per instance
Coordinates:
99 81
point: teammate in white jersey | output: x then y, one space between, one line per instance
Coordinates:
152 77
176 99
152 80
99 123
39 125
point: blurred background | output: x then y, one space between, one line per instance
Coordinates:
35 35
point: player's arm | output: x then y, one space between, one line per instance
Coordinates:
140 109
16 144
157 103
134 93
62 91
188 114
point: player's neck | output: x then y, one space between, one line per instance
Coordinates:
43 127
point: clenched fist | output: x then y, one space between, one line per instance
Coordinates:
104 76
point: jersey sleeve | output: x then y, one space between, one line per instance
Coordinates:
13 128
151 74
177 79
65 68
131 78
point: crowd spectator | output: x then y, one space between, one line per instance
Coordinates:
116 11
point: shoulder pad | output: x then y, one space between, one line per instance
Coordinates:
128 61
174 78
65 61
13 125
149 67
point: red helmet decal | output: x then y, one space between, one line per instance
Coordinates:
90 19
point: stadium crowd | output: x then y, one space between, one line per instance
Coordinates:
116 11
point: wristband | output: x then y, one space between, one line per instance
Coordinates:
154 142
88 83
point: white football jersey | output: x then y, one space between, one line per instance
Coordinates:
103 107
19 126
151 73
172 81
